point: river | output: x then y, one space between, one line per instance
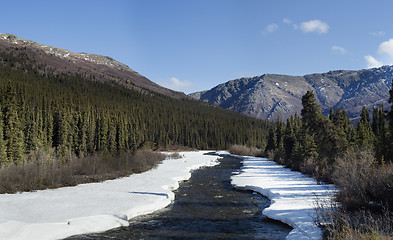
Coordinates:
206 207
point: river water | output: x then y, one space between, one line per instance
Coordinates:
206 207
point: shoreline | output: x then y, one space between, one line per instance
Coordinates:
292 194
95 207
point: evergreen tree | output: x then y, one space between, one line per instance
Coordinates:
280 151
13 133
310 147
289 139
390 118
365 135
311 113
3 151
380 129
270 141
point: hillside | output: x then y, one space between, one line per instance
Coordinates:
45 59
270 95
44 109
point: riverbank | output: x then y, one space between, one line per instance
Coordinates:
95 207
207 206
293 195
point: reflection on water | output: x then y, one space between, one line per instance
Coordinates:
206 207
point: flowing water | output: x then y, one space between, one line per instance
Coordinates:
206 207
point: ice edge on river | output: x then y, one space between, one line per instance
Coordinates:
95 207
293 195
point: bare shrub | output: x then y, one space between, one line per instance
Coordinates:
145 160
361 181
309 166
44 170
174 156
245 151
340 224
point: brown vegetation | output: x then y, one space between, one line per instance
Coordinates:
363 182
360 224
42 170
244 150
365 196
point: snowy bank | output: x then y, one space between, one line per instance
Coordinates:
95 207
292 194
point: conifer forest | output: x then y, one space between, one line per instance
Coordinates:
74 115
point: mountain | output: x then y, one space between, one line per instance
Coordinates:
46 59
270 95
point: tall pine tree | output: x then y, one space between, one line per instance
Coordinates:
390 118
3 152
13 133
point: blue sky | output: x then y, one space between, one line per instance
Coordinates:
195 45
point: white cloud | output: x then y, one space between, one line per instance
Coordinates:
386 48
287 21
372 62
271 28
177 84
339 49
378 34
316 26
385 55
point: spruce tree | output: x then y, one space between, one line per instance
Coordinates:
270 141
311 113
390 118
289 139
3 152
380 129
13 133
365 135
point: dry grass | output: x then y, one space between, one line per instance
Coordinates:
365 196
245 151
43 170
361 224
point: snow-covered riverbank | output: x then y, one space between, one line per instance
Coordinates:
95 207
292 194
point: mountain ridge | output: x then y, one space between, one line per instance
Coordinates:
92 66
271 95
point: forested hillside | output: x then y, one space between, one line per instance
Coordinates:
73 116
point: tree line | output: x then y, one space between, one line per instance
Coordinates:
311 142
71 115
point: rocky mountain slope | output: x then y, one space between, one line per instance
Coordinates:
270 95
46 59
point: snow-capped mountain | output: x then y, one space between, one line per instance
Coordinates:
270 95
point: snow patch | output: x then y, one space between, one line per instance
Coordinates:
95 207
292 194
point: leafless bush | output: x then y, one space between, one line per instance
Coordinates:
356 225
144 160
338 223
361 181
244 150
43 170
174 156
309 166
